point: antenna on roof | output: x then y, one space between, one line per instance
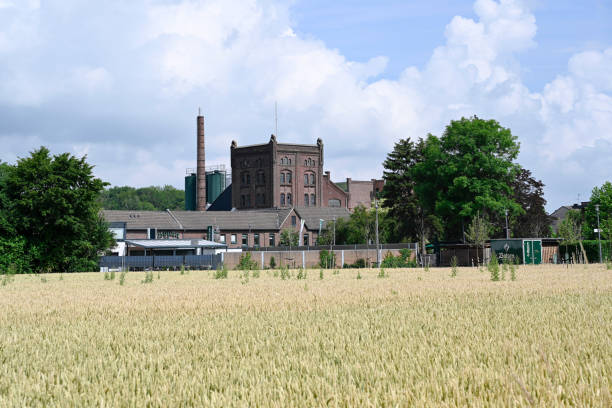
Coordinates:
275 119
199 111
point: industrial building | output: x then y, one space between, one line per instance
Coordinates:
271 175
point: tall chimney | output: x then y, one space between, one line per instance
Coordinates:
201 171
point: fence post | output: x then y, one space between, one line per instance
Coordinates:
342 264
303 260
262 259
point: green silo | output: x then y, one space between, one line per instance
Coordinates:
215 184
190 192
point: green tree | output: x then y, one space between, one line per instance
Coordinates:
54 208
601 196
570 230
147 198
289 238
478 233
435 186
475 168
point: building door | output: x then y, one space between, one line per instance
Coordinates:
532 252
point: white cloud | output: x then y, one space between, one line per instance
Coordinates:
237 58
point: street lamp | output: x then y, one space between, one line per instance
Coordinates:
598 232
507 231
377 249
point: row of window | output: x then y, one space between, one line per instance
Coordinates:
247 163
286 160
245 178
309 162
309 200
245 200
256 239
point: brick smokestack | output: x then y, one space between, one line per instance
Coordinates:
201 169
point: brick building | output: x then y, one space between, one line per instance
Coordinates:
283 175
236 229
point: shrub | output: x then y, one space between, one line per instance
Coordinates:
122 277
182 269
321 274
256 273
221 272
112 275
381 273
453 266
327 259
493 267
301 274
284 273
106 275
513 271
272 263
358 274
403 260
148 277
246 263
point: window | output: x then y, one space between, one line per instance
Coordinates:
256 240
305 179
261 177
282 178
245 240
312 179
333 202
305 239
288 178
271 238
222 238
289 199
293 220
233 239
248 178
248 200
305 162
313 200
242 201
306 200
282 199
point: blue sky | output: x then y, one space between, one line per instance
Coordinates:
122 81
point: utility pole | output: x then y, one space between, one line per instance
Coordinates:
598 232
377 243
507 230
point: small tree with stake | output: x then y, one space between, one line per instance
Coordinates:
478 233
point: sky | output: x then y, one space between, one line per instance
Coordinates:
122 82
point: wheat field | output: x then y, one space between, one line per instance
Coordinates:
413 338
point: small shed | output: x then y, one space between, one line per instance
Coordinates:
528 251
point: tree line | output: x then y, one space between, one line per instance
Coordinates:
151 198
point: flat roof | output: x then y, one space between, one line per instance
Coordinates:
174 243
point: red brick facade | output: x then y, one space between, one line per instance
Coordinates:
281 175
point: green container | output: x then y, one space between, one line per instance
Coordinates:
215 184
190 192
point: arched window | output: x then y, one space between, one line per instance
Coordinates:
306 179
288 177
282 199
312 179
305 162
282 178
289 199
305 200
313 200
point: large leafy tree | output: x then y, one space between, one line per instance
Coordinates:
54 208
601 196
534 222
437 185
475 169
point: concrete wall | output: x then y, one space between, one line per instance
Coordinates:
307 259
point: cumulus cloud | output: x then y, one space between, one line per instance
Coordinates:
126 92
